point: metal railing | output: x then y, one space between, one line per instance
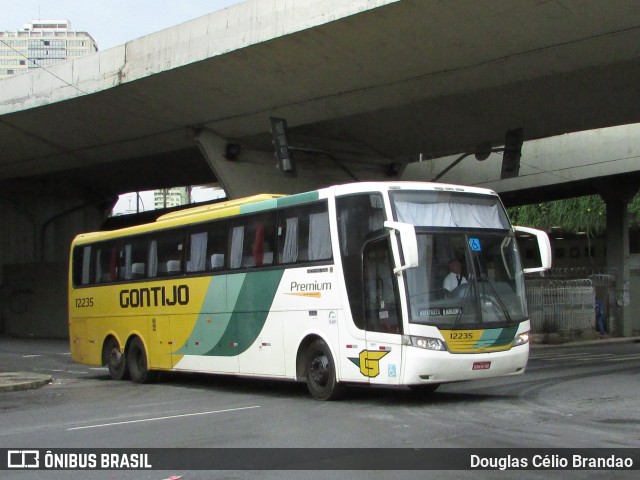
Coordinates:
564 306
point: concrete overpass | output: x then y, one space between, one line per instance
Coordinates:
373 82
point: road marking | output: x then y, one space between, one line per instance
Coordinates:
31 356
163 418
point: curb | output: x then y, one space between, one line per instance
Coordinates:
597 341
16 381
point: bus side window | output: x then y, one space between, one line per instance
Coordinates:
165 254
304 234
253 241
82 265
133 258
217 245
106 262
197 256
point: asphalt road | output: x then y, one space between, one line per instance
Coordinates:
584 396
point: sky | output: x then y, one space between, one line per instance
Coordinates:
109 22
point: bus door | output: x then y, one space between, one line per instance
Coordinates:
381 361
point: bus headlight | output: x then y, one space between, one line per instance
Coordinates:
425 342
521 339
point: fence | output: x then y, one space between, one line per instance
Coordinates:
565 307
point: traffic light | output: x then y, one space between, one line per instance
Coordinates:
283 149
512 152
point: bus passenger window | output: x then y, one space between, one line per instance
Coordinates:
319 236
214 245
304 234
288 251
237 239
253 241
134 252
165 254
82 265
106 262
197 261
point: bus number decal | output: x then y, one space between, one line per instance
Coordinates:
461 336
84 302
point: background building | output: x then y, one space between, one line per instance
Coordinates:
42 43
171 197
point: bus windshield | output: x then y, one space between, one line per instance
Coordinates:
469 271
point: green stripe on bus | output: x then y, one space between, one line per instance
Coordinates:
288 201
298 199
496 337
259 206
233 313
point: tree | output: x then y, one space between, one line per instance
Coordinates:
580 214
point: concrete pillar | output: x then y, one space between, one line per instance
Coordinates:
616 195
251 172
255 171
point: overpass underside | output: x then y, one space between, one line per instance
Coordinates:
369 85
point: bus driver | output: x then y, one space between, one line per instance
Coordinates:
454 278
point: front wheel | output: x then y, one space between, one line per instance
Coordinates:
137 361
321 372
114 359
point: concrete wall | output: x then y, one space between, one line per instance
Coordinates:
38 224
33 300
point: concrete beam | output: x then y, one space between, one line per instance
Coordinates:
563 159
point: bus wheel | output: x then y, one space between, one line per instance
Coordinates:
115 359
137 361
321 372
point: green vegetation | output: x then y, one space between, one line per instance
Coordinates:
581 214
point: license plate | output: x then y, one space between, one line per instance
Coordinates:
481 365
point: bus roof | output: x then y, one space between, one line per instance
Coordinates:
266 201
217 206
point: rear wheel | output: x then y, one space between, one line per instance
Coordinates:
137 361
321 372
114 359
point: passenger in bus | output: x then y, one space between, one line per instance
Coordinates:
454 278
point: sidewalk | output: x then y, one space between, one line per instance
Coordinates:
536 343
14 381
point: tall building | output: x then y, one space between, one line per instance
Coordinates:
170 197
42 43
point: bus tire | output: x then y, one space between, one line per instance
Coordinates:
114 359
321 372
137 362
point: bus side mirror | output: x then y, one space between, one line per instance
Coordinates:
544 247
408 243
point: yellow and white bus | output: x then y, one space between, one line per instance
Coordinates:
343 285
